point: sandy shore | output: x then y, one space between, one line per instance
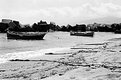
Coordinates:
99 61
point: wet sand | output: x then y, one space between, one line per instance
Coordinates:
98 61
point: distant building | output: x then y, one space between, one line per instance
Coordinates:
6 21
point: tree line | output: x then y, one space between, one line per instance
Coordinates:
43 26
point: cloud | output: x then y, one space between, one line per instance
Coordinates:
65 14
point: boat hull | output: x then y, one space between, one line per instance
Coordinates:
88 33
26 35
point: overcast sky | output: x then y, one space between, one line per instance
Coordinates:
59 11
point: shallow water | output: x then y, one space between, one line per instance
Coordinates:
53 41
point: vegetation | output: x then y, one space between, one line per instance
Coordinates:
43 26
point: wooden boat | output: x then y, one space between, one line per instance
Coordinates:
79 33
25 35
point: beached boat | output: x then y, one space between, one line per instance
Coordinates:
25 35
79 33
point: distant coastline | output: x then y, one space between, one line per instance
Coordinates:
43 26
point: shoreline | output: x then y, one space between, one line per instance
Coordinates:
30 54
98 62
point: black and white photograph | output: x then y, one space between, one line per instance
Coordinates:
60 39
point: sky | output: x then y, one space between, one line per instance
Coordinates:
62 12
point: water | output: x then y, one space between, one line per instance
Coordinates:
53 41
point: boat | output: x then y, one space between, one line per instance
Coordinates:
26 35
80 33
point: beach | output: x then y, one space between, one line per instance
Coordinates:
60 40
97 60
